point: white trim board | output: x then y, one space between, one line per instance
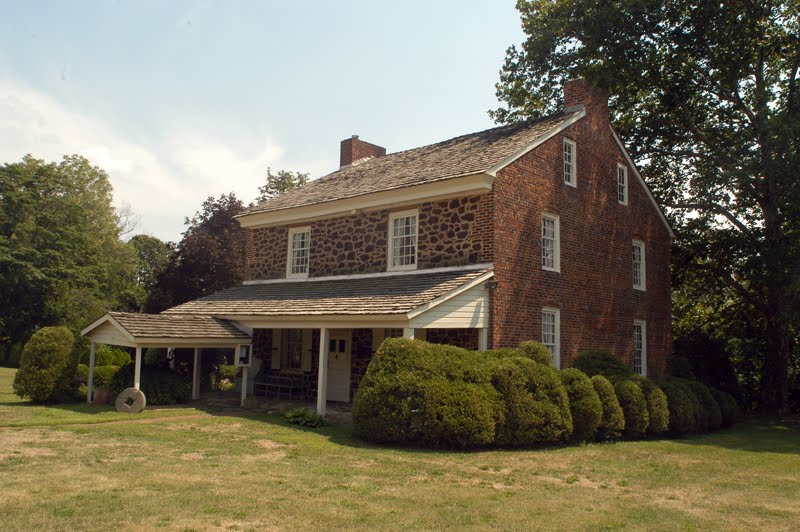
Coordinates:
641 181
481 266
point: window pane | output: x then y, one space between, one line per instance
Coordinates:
300 251
638 348
404 241
548 243
622 183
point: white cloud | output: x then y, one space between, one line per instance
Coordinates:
163 182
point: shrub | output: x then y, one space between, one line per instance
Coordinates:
82 373
304 417
683 407
600 362
584 404
536 351
729 410
47 370
657 408
106 355
534 401
612 422
228 371
103 376
709 417
444 396
160 386
634 408
681 367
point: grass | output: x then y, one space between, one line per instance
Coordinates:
81 468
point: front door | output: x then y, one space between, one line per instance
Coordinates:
339 366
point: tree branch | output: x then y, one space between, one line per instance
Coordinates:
713 207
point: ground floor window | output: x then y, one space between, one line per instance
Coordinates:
292 349
551 333
640 347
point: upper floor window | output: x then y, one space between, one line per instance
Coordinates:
299 252
551 247
569 163
622 184
638 265
640 347
403 240
551 333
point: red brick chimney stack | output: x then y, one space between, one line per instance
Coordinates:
579 92
353 150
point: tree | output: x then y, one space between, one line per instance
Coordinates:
61 259
152 258
281 182
209 257
706 95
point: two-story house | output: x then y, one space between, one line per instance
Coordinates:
540 230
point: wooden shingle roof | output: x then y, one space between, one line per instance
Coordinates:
465 155
177 326
396 294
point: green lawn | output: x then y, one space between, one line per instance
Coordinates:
184 468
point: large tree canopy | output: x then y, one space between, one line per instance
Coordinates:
706 96
61 259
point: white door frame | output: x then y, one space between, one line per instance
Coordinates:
347 336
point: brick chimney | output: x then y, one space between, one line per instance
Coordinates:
579 92
354 150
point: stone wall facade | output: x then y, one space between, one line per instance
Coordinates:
451 233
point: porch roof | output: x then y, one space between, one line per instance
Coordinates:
378 295
164 330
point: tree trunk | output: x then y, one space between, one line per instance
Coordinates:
775 375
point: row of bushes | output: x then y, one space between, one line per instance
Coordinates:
443 396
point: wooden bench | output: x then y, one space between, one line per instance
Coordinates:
280 387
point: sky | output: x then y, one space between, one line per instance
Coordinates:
181 100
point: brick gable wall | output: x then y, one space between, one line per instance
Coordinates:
594 290
451 233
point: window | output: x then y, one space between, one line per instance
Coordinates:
299 252
551 248
292 349
403 241
551 333
622 184
640 347
638 265
569 163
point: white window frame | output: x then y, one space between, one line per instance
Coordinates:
556 350
622 184
390 267
572 165
557 245
640 326
642 284
294 231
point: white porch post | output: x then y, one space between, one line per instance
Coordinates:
137 369
196 375
408 333
90 384
483 339
322 375
244 376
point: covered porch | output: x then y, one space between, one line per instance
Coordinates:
144 331
312 340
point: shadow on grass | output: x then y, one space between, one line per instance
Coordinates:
757 435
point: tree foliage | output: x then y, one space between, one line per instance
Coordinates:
706 96
61 259
47 366
280 182
209 257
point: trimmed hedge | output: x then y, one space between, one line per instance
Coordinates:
584 404
710 417
534 403
601 362
102 375
634 407
160 386
657 407
106 355
612 422
537 352
445 396
47 368
728 407
683 407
